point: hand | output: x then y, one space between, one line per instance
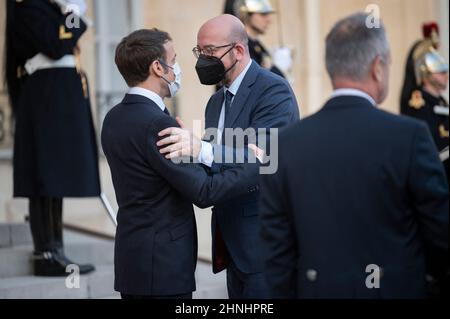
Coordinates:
282 59
179 142
259 153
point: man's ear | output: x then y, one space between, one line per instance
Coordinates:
156 68
240 51
377 69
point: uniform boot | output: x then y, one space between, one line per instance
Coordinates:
48 257
41 223
56 211
57 208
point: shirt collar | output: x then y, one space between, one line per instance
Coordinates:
148 94
353 92
234 87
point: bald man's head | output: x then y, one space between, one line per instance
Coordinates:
224 38
222 29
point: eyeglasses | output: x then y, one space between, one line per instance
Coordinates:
209 50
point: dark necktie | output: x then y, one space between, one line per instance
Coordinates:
228 100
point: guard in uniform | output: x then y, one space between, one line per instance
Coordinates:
430 32
55 150
257 18
426 103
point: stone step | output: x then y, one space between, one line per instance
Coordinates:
16 260
15 235
99 284
17 282
19 234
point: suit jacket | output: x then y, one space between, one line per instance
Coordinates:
264 100
156 240
356 186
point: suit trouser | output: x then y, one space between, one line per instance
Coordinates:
246 286
46 224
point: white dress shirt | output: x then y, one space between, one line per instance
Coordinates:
149 95
353 92
206 155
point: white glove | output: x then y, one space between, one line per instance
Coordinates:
282 59
79 7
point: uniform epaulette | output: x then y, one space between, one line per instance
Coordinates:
416 101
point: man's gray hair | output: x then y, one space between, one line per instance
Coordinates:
353 45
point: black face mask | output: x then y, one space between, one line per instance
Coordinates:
211 70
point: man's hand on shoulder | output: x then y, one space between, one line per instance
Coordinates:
179 142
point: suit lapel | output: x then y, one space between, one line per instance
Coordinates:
213 115
242 95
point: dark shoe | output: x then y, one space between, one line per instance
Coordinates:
84 269
50 264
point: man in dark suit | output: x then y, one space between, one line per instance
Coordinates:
156 240
360 200
251 98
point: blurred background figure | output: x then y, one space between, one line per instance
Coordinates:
426 80
55 150
430 35
257 18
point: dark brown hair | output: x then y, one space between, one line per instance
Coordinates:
136 52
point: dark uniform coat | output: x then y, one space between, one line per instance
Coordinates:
55 151
426 107
260 54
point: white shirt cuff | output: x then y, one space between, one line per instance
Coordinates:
206 156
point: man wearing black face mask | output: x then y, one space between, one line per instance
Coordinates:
252 97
